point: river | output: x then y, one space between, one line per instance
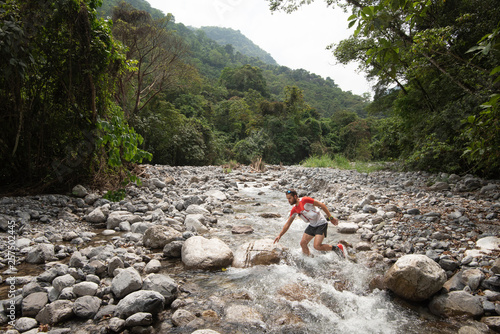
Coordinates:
318 294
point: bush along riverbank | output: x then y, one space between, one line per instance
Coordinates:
81 264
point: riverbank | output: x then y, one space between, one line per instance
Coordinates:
77 256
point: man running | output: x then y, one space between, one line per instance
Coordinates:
308 209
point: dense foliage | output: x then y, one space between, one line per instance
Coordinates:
88 89
433 79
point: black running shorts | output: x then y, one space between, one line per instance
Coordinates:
316 230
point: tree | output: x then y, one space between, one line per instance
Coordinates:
157 58
243 79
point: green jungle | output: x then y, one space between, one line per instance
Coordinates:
91 88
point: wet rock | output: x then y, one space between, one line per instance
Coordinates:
158 236
415 277
140 301
201 253
242 229
182 317
55 312
127 281
456 303
242 314
217 194
258 252
195 223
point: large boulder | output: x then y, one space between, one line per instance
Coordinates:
40 254
201 253
140 301
415 277
258 252
158 236
456 303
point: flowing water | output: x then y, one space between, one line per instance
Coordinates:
319 294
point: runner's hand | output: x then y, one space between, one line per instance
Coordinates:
277 239
334 220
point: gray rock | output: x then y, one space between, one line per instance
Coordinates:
201 253
114 264
243 314
55 312
79 191
139 319
77 260
40 254
25 324
347 228
86 307
163 284
182 317
195 223
116 324
472 278
173 249
153 266
456 303
258 252
96 216
33 303
85 289
62 282
116 217
140 301
415 277
158 236
127 281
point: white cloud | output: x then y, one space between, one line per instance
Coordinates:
296 40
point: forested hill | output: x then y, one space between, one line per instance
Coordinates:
240 42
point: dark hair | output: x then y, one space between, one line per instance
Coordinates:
291 192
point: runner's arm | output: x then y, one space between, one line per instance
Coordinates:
327 212
285 228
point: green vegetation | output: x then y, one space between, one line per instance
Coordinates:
88 91
341 162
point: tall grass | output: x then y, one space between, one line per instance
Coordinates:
341 162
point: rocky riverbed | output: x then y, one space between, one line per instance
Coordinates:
78 263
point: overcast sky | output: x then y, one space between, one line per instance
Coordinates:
296 40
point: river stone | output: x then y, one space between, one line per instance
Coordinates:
153 266
358 218
492 322
242 229
127 281
40 254
194 209
242 314
258 252
194 223
456 303
201 253
182 317
33 303
158 236
62 282
347 228
217 194
77 260
96 216
55 312
85 289
139 319
25 324
116 324
87 306
205 331
163 284
140 301
79 191
415 277
472 278
116 217
173 249
114 263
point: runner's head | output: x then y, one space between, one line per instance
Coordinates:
292 197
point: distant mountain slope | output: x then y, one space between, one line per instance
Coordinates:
240 42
